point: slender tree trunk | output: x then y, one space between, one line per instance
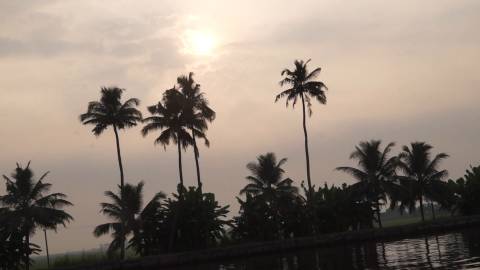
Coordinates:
195 151
307 156
421 208
119 156
27 251
180 172
46 249
433 210
379 219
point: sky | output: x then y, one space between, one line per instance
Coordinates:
398 71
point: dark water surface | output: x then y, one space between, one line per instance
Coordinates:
458 250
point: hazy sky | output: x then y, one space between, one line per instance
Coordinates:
396 70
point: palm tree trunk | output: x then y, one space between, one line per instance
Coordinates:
421 208
379 219
27 251
433 210
180 163
307 156
195 151
119 156
46 249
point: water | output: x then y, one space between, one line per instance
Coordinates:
458 250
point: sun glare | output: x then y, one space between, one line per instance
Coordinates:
199 43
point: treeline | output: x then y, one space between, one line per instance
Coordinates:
271 205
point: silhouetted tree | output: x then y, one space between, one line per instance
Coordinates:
110 111
302 86
266 178
168 117
421 173
197 111
126 206
26 206
374 173
465 192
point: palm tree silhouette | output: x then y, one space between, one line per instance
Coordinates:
27 206
422 175
302 86
126 206
110 111
267 177
374 174
168 117
197 107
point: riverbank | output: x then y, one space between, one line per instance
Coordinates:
254 249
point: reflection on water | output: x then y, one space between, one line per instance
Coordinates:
447 251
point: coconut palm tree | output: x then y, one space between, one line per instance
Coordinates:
110 111
27 206
126 207
167 116
421 173
267 177
196 105
375 173
302 85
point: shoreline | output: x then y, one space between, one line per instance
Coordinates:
440 225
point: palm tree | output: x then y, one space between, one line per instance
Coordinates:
421 173
110 111
27 206
374 174
126 207
168 117
301 85
195 105
267 177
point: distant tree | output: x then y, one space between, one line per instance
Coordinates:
26 207
110 111
374 173
126 206
421 174
198 112
302 85
267 177
465 192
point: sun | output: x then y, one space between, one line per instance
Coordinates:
199 42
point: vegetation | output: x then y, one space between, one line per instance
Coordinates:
25 208
272 207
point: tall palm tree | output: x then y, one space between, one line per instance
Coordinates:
196 105
302 85
267 177
30 207
126 206
110 111
374 174
421 172
170 117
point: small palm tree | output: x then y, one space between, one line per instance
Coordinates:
267 177
375 174
27 206
110 111
126 206
302 85
197 107
421 173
